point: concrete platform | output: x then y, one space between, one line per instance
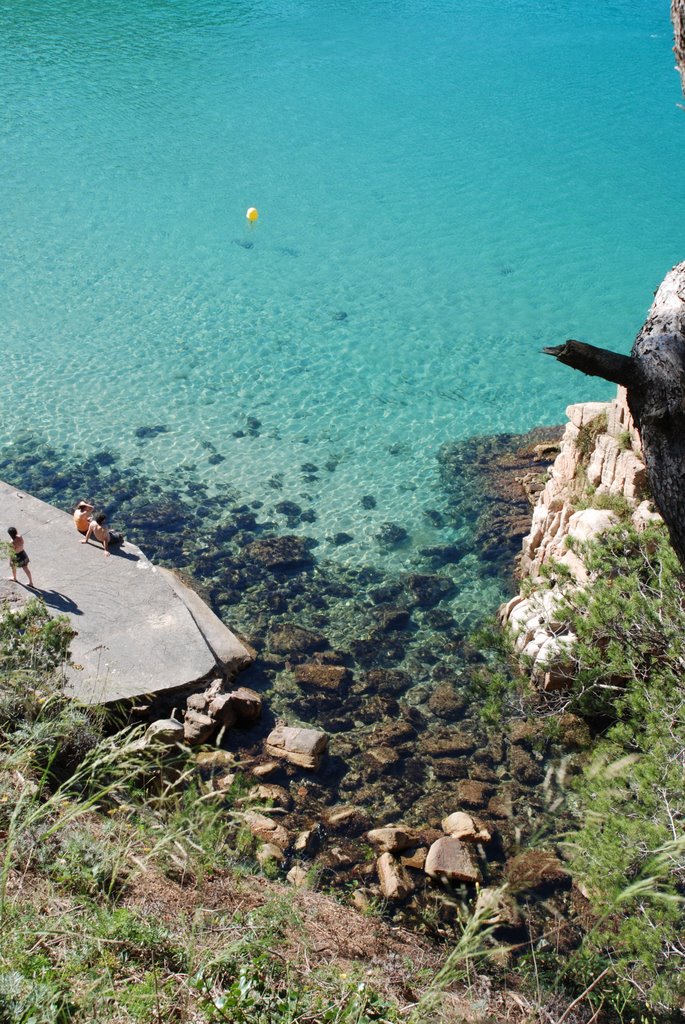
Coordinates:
139 629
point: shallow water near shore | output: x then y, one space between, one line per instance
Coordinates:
442 190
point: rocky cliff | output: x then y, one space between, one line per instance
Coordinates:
597 479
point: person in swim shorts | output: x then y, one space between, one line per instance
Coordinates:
18 557
82 516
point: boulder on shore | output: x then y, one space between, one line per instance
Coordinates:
395 881
241 707
197 727
462 826
451 859
392 838
303 747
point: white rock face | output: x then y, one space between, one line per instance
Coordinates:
590 523
615 467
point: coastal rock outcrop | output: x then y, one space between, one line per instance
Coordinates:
598 479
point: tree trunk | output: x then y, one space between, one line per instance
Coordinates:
654 377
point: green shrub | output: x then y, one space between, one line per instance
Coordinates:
588 434
629 850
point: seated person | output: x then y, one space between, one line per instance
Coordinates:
97 529
82 516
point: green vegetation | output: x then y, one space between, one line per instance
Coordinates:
630 849
627 851
588 434
128 889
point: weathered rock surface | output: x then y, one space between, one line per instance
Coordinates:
395 881
460 825
414 858
165 731
450 858
197 728
600 448
303 747
392 838
266 829
241 707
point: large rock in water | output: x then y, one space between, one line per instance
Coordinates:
317 678
303 747
287 552
450 858
287 638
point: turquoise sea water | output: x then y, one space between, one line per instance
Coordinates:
443 188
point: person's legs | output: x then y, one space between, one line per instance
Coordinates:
14 570
28 573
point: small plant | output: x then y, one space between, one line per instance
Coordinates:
588 434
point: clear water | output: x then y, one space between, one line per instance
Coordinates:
443 185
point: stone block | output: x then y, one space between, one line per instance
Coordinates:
392 838
197 728
451 859
303 747
395 881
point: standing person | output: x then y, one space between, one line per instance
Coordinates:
82 515
18 558
97 529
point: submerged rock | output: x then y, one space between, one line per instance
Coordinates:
279 552
288 638
427 590
315 677
536 869
392 535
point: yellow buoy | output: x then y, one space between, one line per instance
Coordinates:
252 214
